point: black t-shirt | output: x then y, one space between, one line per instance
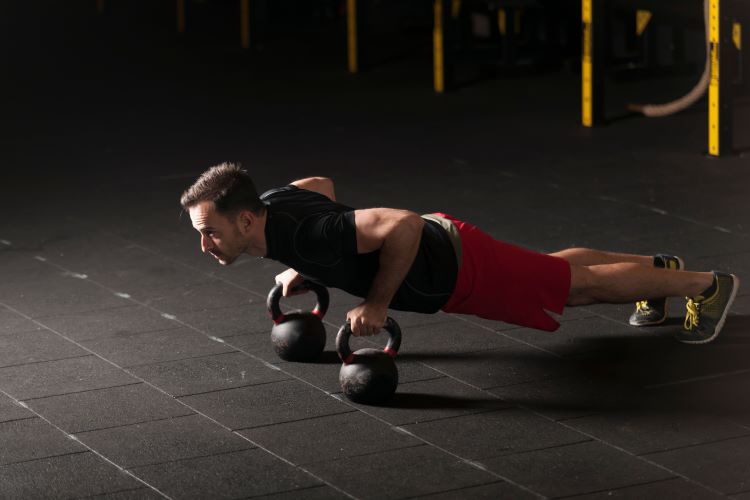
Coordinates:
317 237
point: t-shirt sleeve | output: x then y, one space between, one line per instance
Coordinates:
326 238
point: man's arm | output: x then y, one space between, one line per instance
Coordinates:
396 233
322 185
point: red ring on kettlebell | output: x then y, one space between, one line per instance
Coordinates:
345 332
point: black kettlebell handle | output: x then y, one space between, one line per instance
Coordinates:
274 298
391 348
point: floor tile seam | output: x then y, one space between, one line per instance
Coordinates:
723 418
62 394
176 361
179 312
294 420
691 380
30 417
145 465
456 490
246 333
588 415
738 492
401 427
223 389
31 363
92 340
603 490
99 495
18 333
513 339
130 424
46 457
536 450
604 316
728 254
694 445
264 495
274 424
595 438
89 448
429 354
369 453
140 365
487 389
104 309
516 384
275 368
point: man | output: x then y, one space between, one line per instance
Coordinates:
398 259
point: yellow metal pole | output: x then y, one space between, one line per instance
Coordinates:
351 35
502 22
437 48
737 35
586 66
180 16
455 8
245 23
713 85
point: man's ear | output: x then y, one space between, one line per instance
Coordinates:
246 219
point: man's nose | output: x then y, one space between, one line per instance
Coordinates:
205 244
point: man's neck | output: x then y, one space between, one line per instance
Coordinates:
257 245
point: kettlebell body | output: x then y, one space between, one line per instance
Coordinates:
298 335
369 376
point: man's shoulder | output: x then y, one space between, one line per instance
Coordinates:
279 190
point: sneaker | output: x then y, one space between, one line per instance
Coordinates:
705 316
654 311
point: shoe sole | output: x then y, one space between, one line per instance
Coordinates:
723 318
651 323
680 267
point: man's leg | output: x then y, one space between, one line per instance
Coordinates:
625 282
710 294
647 312
589 257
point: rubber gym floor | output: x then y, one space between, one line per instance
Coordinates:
133 366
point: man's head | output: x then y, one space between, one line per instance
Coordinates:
225 209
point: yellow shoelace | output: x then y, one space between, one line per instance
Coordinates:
693 315
641 306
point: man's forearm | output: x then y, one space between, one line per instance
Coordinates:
396 258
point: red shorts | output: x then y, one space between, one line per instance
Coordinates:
500 281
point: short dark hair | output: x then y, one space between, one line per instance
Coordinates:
228 186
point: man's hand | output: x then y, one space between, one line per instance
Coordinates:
367 319
290 279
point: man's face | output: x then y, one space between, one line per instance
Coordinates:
220 235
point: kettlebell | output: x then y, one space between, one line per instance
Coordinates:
298 335
369 376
